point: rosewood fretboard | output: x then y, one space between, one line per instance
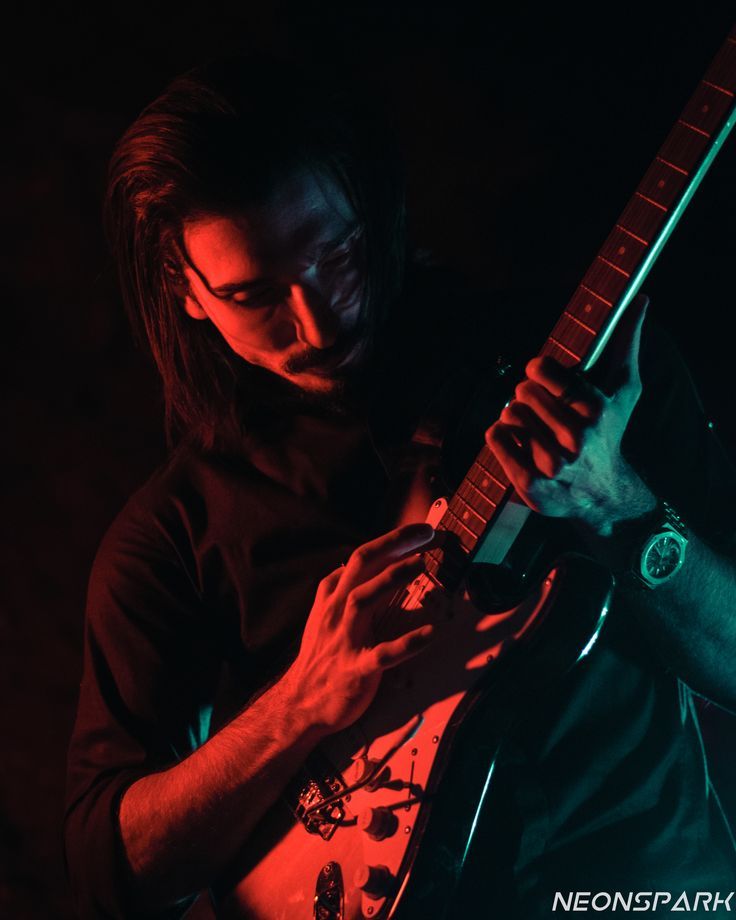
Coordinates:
607 288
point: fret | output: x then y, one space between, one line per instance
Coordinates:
642 217
596 295
568 351
633 235
624 249
683 147
662 185
563 355
465 535
493 503
573 334
690 127
707 109
467 515
721 89
589 307
466 484
605 281
684 172
615 267
652 201
580 323
486 472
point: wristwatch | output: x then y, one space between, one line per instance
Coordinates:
661 554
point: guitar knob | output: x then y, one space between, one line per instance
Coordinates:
364 767
378 823
374 881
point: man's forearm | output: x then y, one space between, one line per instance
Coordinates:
181 826
691 620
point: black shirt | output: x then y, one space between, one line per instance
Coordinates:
202 586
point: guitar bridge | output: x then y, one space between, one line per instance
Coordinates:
306 793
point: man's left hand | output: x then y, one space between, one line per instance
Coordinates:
559 439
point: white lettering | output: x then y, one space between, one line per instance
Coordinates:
644 898
560 899
618 900
655 901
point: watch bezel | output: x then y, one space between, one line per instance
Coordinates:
669 533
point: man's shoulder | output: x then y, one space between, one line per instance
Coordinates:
170 512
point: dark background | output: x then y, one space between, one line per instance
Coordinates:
525 134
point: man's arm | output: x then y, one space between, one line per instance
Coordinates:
559 442
181 826
690 620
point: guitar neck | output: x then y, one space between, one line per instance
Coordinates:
607 288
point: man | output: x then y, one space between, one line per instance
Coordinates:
260 242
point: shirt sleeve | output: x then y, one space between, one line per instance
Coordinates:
147 687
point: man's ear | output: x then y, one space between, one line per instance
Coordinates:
182 286
193 308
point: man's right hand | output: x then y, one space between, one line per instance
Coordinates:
339 666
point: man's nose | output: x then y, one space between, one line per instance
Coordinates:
316 322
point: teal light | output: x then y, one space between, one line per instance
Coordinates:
476 816
638 277
596 632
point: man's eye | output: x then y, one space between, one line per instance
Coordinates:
339 255
250 299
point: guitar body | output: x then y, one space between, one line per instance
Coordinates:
448 706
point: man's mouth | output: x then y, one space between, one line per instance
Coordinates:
325 361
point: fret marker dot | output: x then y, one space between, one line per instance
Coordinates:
621 250
484 483
587 308
465 515
706 108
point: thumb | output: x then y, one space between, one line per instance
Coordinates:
618 367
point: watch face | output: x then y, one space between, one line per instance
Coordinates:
662 556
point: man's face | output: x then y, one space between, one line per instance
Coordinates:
283 282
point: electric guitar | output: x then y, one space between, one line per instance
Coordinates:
377 823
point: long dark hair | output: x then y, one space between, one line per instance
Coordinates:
216 140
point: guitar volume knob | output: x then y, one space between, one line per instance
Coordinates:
378 823
374 881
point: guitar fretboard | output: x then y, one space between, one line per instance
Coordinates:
606 290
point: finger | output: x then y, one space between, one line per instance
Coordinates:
514 458
550 374
371 558
362 601
546 451
389 654
328 584
568 385
565 423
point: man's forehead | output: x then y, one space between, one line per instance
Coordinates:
301 211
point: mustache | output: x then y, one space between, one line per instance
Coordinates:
316 358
